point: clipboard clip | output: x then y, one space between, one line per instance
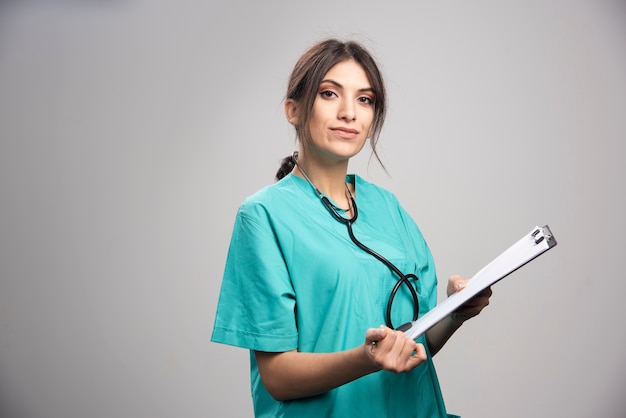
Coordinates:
542 233
537 235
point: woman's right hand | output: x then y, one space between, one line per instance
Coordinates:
391 350
294 374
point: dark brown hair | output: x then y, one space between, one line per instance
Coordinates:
307 76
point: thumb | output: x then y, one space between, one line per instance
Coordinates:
455 284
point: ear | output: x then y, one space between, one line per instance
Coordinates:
291 111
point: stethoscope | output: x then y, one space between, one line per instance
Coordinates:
348 222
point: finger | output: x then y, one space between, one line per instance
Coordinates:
374 335
400 343
419 353
486 292
455 284
403 348
411 356
481 299
475 305
387 349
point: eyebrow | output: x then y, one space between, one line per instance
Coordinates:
339 85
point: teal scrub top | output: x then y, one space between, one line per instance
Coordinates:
294 280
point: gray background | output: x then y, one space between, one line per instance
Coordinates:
132 130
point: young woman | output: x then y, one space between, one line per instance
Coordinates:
321 258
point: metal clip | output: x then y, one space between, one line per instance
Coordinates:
539 238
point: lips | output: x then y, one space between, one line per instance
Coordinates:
345 133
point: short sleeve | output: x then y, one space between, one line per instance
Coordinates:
256 307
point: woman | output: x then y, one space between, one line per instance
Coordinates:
302 295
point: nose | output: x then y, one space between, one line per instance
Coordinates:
347 110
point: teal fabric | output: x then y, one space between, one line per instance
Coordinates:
294 280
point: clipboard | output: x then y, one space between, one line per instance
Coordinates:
532 245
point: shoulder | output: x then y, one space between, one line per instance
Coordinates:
269 194
271 199
382 202
371 191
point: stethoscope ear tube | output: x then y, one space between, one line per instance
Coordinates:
337 216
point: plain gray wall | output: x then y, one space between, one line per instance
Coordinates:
132 130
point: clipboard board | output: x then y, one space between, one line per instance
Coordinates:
529 247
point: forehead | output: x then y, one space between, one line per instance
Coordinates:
349 74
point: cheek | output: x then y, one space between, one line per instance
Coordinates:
368 124
316 122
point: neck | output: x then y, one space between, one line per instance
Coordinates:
329 179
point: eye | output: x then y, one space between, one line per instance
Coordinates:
327 94
366 100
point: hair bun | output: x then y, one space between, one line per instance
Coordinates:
286 166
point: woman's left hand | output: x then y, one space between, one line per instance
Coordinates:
473 306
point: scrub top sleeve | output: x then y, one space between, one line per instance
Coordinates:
256 307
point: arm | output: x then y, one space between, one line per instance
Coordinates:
292 374
438 335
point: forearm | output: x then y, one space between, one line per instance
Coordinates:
292 374
439 334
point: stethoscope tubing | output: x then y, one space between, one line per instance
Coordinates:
402 278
